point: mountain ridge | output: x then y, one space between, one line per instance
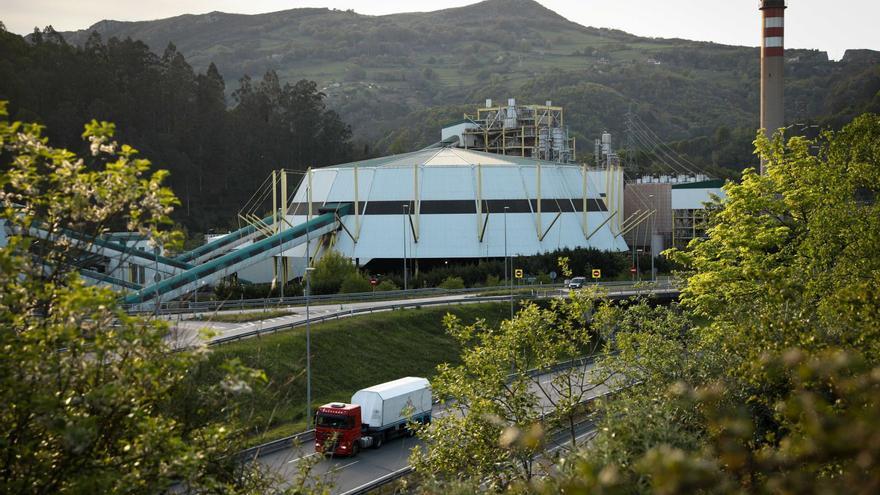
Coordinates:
397 77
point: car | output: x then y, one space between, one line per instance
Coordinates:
577 282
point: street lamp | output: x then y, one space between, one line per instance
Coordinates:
405 216
506 279
308 343
308 292
653 217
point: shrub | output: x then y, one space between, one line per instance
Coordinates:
387 285
330 272
355 283
452 283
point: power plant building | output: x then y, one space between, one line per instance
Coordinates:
451 203
532 131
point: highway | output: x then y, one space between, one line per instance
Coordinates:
349 474
186 329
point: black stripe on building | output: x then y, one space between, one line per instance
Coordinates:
466 206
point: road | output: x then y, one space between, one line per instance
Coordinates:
187 329
348 474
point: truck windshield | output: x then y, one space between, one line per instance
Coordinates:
335 421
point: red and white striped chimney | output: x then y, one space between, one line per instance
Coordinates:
772 66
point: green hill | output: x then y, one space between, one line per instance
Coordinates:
396 78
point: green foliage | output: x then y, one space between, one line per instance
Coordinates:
452 283
429 68
277 406
773 391
85 387
217 155
765 378
501 409
387 285
355 283
331 271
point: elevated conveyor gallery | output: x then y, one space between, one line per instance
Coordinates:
113 250
234 261
223 245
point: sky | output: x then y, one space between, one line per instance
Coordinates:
831 26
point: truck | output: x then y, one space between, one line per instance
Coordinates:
375 414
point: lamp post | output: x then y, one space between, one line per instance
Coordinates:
308 328
507 280
653 217
308 344
653 272
405 216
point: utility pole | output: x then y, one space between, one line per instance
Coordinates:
506 263
308 332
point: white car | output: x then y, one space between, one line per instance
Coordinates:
577 282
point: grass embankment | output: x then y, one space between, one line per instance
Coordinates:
245 317
347 355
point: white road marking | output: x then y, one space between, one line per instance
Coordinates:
303 457
343 467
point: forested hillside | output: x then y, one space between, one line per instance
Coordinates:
217 148
396 78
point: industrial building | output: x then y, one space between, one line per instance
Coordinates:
673 208
529 131
451 203
503 182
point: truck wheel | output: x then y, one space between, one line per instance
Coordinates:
355 448
377 440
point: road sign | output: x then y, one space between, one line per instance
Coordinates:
373 281
518 273
597 273
553 275
633 270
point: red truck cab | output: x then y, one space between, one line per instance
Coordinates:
338 428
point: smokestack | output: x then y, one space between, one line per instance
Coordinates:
772 60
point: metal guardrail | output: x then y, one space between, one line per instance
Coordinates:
408 469
353 311
182 307
535 294
267 448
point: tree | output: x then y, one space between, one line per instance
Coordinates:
775 390
765 378
355 283
330 272
498 405
85 386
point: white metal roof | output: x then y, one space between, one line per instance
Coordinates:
447 157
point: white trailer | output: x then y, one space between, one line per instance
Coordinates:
386 408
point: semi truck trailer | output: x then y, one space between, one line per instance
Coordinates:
375 414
